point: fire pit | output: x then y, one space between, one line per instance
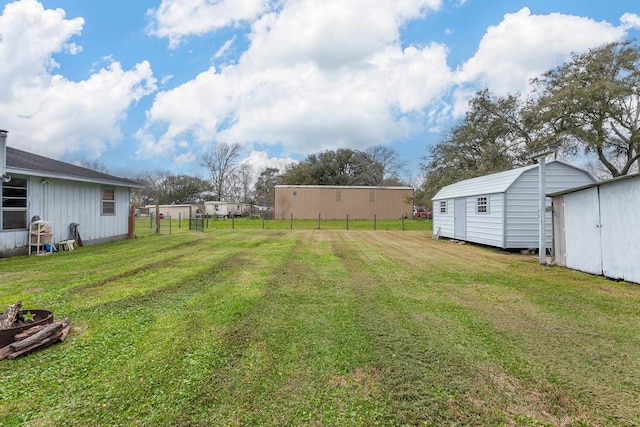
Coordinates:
32 318
24 331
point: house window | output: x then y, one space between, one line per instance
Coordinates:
443 206
108 201
482 204
14 204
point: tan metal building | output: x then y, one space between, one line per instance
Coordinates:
336 202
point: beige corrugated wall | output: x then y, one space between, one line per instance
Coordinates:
333 202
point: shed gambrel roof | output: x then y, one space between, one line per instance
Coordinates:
489 184
23 162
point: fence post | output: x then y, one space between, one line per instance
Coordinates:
233 223
403 223
319 221
180 220
262 220
375 217
347 221
291 223
157 218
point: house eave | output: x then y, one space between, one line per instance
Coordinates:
44 174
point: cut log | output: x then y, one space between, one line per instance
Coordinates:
35 338
51 339
38 336
9 316
29 332
4 352
65 329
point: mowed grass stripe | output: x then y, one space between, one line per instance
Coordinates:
320 327
528 353
143 356
301 356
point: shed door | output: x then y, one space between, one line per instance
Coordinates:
460 219
583 231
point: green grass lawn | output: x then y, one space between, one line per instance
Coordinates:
328 327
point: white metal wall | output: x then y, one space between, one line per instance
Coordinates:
601 229
443 222
619 208
486 228
583 245
522 221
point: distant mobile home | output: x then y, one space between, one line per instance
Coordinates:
336 202
596 228
181 211
226 209
501 209
62 194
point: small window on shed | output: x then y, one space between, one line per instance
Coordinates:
482 205
372 196
443 206
338 197
108 201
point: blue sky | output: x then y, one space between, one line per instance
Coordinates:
145 85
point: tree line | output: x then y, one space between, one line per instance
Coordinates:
589 107
232 180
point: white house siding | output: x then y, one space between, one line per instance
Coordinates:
66 202
486 228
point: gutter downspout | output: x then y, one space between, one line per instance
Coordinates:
3 151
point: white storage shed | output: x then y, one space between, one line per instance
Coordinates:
596 228
501 209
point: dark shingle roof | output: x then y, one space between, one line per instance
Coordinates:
29 162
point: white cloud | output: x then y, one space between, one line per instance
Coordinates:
630 21
176 19
45 112
524 46
318 74
260 160
225 48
